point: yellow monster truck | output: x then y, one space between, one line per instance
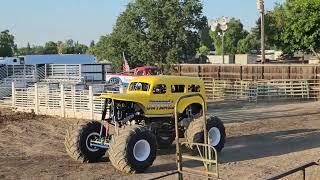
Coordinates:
143 120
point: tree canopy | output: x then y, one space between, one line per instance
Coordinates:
50 47
7 46
155 32
274 25
292 26
247 44
302 25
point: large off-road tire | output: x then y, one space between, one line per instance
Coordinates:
165 142
133 150
77 141
216 132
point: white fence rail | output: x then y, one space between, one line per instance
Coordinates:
265 90
60 101
73 101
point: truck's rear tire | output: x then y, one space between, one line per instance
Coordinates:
216 132
133 150
165 142
77 141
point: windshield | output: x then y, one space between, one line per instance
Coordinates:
139 86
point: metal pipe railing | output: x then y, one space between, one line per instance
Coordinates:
295 170
178 145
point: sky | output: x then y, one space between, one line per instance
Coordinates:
39 21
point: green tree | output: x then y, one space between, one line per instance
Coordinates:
38 50
28 49
274 24
247 44
204 50
80 48
155 32
302 26
25 50
50 48
7 46
233 35
69 45
106 52
92 44
205 38
61 48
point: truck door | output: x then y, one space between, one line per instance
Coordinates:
161 103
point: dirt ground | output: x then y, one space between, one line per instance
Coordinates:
262 140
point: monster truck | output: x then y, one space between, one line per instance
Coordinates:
142 121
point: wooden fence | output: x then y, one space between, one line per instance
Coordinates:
248 72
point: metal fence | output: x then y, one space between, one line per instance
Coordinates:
296 170
82 102
76 72
263 90
20 74
60 100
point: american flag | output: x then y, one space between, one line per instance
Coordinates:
125 66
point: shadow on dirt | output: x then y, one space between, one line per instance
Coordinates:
171 150
256 146
231 105
237 117
173 166
101 160
242 112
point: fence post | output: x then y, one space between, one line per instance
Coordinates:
91 102
13 89
45 71
63 110
36 98
80 71
7 69
73 94
65 71
241 72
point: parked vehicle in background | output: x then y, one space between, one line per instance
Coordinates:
123 79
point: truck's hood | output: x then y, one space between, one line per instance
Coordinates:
135 97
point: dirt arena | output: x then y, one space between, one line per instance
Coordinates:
262 140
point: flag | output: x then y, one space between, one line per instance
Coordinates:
125 66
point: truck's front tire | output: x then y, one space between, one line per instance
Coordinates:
77 141
133 150
216 132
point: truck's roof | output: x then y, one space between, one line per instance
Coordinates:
167 79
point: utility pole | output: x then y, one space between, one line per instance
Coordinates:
260 6
223 47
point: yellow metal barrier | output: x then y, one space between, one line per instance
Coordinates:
207 153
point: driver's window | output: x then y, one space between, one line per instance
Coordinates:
114 81
159 89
